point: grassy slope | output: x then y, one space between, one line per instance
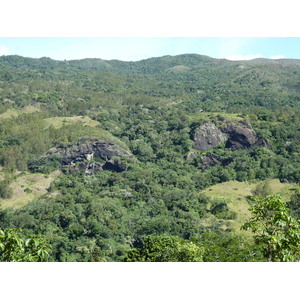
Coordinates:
58 122
10 113
235 194
90 128
27 187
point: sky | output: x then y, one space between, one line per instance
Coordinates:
138 48
132 30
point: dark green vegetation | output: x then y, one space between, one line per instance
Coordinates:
165 249
135 180
15 248
275 229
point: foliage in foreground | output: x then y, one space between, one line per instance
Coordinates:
15 248
275 230
165 249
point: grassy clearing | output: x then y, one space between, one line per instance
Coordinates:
89 128
235 193
212 116
28 187
58 122
10 113
179 68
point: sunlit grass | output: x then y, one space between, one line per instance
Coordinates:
12 112
235 193
58 122
27 187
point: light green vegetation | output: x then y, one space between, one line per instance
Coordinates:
275 230
179 69
58 122
215 116
88 127
10 113
236 190
27 187
234 193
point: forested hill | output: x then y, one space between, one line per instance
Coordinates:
217 82
99 155
150 65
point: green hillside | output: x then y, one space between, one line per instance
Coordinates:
99 155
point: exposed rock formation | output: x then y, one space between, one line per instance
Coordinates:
208 136
80 156
210 159
262 142
239 135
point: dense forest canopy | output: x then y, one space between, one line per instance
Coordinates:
109 160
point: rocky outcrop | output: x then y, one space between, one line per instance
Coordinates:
235 135
209 160
240 135
208 136
191 156
91 155
212 159
262 142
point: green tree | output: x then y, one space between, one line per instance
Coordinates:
166 249
294 204
5 190
223 246
274 229
263 189
15 248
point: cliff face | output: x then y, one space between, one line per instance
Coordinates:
208 136
239 135
92 155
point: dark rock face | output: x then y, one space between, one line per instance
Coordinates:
209 160
80 156
239 135
262 142
208 136
284 180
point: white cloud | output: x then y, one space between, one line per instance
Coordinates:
244 57
277 57
3 50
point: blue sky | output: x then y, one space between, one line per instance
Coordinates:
134 48
135 30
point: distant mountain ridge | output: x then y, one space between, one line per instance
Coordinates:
149 65
260 81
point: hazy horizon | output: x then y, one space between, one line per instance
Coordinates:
136 49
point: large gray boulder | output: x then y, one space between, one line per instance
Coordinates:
236 135
208 136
